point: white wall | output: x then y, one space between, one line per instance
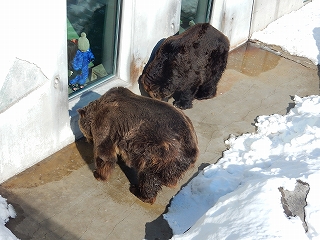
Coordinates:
266 12
238 19
36 123
152 21
233 19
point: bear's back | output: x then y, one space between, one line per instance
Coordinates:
199 40
125 110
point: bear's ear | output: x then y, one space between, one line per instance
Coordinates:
81 112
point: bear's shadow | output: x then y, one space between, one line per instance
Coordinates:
159 228
86 151
130 173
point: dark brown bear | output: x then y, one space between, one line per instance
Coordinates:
187 66
152 137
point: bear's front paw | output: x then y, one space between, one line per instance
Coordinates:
134 189
98 176
149 200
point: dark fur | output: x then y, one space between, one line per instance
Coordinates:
187 66
151 136
72 50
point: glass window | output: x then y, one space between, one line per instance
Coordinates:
194 11
92 28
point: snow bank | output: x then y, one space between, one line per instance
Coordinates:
6 211
238 198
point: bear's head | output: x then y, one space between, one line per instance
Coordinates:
157 89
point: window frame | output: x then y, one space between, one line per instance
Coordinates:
106 79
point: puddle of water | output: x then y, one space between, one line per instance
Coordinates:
252 60
55 167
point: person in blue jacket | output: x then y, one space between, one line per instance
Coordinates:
81 63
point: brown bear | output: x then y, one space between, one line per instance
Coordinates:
152 137
187 66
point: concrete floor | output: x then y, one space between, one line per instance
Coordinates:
60 199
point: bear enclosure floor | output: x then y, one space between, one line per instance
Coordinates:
59 198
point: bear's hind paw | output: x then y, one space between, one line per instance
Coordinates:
182 106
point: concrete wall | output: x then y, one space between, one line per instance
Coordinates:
152 21
238 19
36 116
34 121
263 14
232 17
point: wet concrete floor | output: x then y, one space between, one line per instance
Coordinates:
59 198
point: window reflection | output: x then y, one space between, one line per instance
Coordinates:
92 28
194 11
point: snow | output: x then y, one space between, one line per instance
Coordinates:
298 32
6 211
239 197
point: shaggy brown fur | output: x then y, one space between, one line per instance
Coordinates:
151 136
187 66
